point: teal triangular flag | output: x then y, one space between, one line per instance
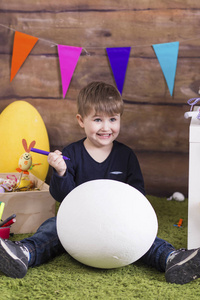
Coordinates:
167 55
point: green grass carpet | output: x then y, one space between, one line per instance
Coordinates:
65 278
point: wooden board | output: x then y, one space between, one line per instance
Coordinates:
164 173
39 77
144 128
153 123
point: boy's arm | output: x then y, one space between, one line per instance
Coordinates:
56 160
135 177
62 181
61 186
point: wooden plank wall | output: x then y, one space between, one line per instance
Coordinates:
153 123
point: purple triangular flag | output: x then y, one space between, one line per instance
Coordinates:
119 58
68 58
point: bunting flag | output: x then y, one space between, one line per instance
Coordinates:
119 58
22 46
68 59
167 55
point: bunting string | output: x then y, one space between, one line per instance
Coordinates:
41 39
167 55
95 47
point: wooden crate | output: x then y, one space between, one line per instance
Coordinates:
32 208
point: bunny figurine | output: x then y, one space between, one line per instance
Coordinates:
25 161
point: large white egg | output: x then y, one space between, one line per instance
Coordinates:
106 224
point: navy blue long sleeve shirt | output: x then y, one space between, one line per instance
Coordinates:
121 165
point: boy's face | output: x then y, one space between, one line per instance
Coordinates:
101 130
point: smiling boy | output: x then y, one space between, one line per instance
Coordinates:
97 156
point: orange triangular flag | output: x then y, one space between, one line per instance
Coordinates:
22 46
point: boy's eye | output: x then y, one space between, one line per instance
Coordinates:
113 119
97 120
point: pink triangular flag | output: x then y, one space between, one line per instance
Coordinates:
68 58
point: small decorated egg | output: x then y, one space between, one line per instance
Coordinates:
2 189
5 187
25 161
10 183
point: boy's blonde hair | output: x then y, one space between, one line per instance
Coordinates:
100 97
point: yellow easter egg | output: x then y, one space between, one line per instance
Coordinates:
21 121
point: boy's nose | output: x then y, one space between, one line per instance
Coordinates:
105 126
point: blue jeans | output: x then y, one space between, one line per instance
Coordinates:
44 245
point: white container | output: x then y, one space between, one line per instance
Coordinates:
194 183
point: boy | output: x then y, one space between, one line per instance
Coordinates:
98 156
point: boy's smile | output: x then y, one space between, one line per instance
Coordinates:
101 130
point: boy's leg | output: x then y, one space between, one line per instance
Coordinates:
39 248
44 244
180 266
157 255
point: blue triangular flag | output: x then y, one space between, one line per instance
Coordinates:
167 55
119 58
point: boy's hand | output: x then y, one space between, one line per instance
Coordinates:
56 160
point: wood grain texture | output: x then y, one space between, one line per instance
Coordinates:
153 123
93 27
39 77
164 173
143 128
